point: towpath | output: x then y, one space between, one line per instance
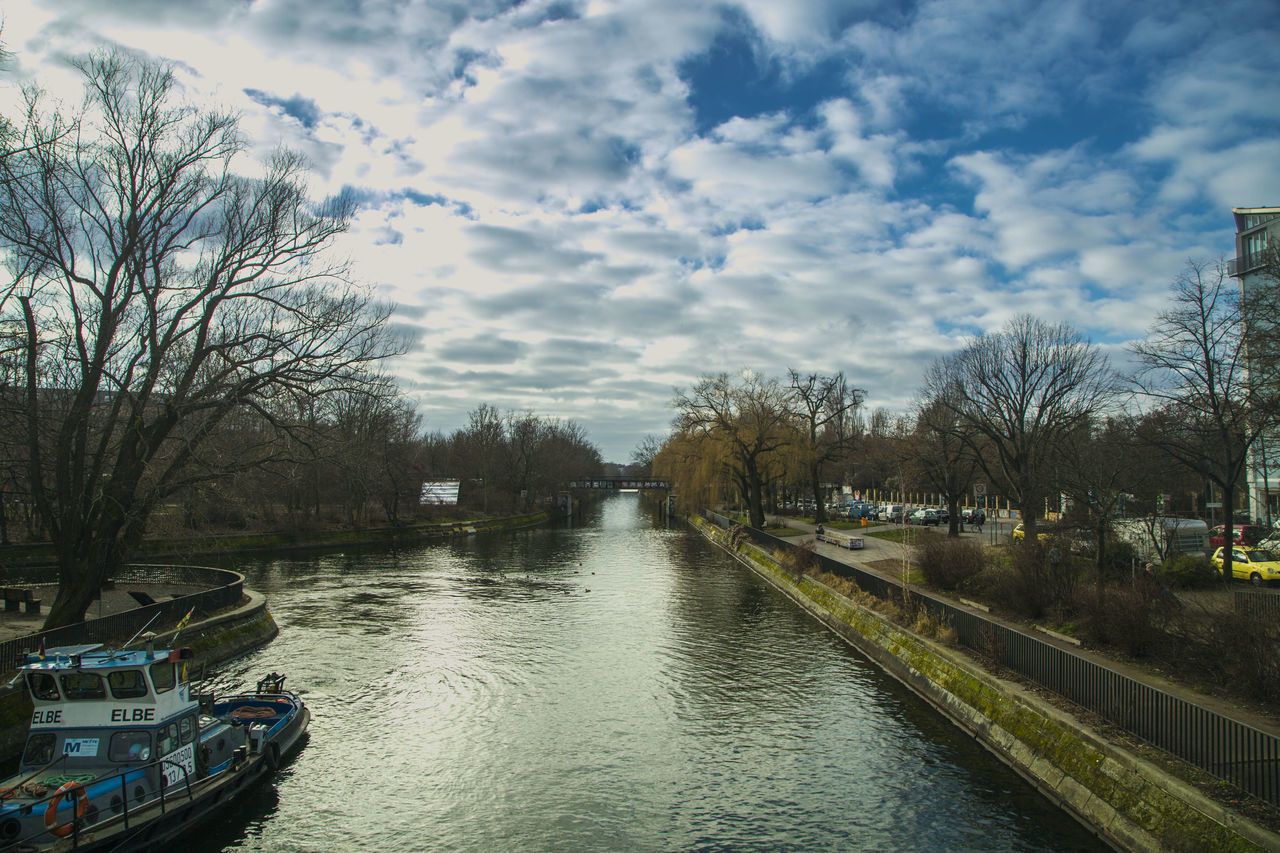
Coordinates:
877 556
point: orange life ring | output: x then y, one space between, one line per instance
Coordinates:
76 790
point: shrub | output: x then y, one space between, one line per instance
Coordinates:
1188 572
1131 617
798 558
1118 559
947 563
1240 650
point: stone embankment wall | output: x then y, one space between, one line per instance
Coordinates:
1129 802
42 553
214 640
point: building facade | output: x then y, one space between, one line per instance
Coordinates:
1257 250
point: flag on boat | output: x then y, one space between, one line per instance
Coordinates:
183 623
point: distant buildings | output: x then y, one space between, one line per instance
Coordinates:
1258 228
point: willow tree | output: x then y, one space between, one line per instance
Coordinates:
748 414
156 292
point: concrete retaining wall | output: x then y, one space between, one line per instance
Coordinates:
1129 802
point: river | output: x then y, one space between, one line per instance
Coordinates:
612 687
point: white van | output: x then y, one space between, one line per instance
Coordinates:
890 512
1162 537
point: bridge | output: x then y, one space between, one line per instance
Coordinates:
619 483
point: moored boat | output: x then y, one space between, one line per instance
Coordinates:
121 755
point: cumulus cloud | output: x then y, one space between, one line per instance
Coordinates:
577 205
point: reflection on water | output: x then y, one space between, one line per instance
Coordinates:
618 686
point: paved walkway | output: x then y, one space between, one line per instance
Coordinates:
15 624
878 549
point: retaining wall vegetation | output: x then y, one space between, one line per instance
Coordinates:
1129 802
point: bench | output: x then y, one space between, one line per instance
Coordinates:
853 543
14 596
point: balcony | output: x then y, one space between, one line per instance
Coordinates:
1241 266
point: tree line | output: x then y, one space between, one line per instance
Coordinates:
178 342
1033 411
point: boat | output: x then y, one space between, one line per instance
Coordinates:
122 755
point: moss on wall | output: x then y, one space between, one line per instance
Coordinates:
1127 801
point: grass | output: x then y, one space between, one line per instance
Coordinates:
896 534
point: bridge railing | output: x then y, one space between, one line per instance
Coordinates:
617 483
1224 747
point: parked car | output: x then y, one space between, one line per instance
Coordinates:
1019 534
924 516
1256 565
1242 534
890 512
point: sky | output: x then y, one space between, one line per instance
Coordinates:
580 207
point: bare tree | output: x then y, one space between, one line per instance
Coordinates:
478 448
749 415
1104 464
159 293
645 452
825 408
943 453
1193 369
1019 391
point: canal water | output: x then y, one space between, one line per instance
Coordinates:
613 687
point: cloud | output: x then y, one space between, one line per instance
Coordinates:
577 205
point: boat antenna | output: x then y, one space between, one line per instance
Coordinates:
140 630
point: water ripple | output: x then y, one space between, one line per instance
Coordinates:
614 687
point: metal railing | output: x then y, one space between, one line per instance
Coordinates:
224 589
1257 604
1224 747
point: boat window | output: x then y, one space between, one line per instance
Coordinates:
83 685
130 746
162 676
43 686
167 739
39 749
127 684
187 729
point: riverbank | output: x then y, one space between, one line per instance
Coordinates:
258 542
1129 801
218 637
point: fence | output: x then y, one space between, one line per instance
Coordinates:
1258 605
224 589
1226 748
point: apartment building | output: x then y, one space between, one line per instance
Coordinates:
1257 230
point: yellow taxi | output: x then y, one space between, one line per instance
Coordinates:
1019 534
1257 565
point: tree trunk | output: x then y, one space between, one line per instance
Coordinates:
1228 537
755 497
819 512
